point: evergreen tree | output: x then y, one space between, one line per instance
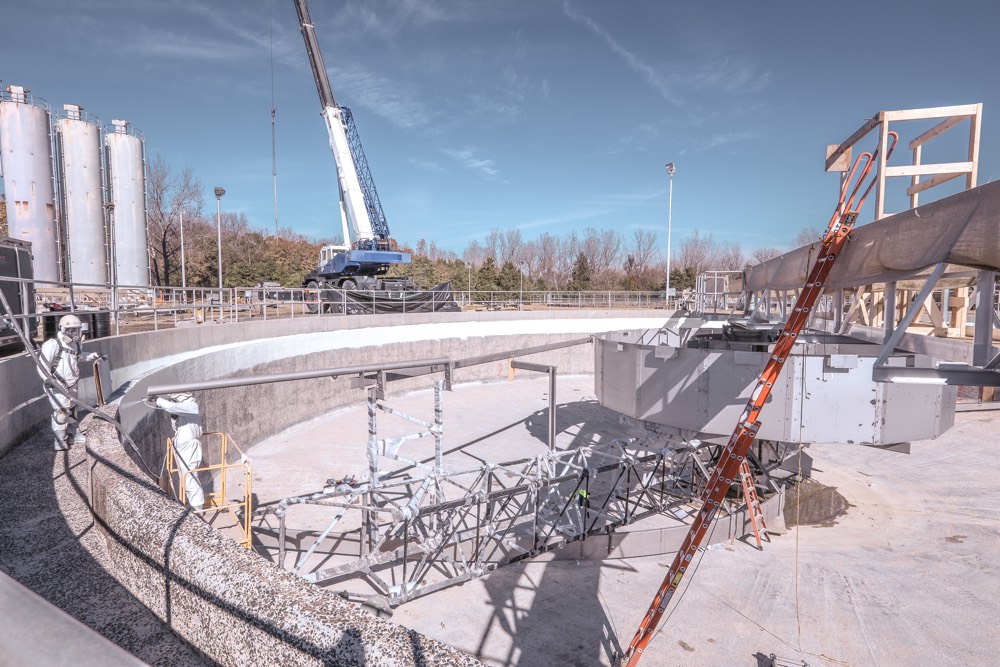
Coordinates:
486 278
581 274
510 277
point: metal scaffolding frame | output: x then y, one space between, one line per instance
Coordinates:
426 526
409 535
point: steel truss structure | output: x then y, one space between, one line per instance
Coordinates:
426 527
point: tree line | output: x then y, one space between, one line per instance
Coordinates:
594 259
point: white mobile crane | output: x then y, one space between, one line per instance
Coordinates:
364 257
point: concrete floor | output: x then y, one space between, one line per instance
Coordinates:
909 575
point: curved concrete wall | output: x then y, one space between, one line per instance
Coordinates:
187 573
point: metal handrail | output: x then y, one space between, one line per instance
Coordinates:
217 501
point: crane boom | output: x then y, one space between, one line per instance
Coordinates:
352 195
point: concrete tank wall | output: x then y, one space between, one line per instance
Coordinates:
185 571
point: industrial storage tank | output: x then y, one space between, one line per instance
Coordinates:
126 174
26 165
78 147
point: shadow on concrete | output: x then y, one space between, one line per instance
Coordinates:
529 599
48 544
587 421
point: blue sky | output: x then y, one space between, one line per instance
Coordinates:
544 115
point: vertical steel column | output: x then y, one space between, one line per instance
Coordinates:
438 426
982 343
889 310
838 309
368 529
552 408
281 537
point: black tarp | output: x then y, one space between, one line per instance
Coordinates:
435 300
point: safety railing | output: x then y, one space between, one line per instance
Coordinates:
114 310
217 492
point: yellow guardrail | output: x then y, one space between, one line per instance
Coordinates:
217 494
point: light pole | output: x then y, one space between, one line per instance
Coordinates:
184 280
523 267
218 223
670 214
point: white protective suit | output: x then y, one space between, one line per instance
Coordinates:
186 421
61 356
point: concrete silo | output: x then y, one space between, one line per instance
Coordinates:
26 165
78 150
126 179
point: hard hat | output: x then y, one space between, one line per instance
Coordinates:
70 325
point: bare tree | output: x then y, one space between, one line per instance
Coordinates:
695 253
474 254
569 248
728 257
760 255
493 245
168 197
548 258
807 236
602 248
510 245
529 257
643 248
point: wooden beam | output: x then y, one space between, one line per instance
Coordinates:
880 174
930 183
929 113
850 141
928 169
938 129
970 181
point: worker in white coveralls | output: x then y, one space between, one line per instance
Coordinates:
184 416
60 356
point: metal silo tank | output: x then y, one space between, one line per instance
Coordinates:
26 165
78 147
126 176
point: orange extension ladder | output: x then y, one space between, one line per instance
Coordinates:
754 510
734 455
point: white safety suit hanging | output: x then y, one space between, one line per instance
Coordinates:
186 421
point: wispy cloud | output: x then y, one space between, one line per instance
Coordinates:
169 45
468 157
388 18
395 101
428 165
719 140
638 138
652 78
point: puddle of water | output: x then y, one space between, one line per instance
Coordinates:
810 503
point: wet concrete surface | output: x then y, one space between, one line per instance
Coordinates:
811 503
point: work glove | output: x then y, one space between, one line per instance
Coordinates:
95 356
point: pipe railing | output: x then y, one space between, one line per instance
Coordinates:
118 309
